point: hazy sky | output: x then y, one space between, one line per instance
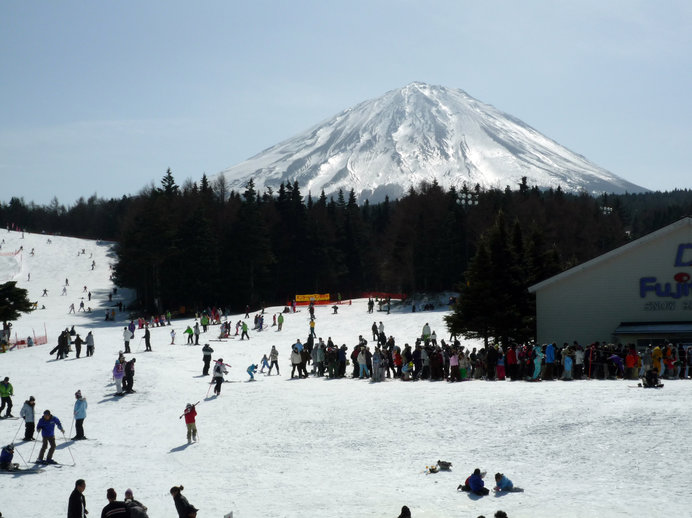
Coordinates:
102 97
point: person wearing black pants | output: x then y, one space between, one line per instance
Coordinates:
219 371
27 413
147 339
206 358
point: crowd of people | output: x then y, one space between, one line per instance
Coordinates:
430 359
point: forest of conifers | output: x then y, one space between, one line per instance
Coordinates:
198 245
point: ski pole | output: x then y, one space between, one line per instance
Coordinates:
210 384
17 433
71 425
20 456
74 463
32 449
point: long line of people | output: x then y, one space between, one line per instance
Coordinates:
427 359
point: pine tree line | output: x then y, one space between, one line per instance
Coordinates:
204 244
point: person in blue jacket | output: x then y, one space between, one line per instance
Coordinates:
474 484
6 456
251 371
549 361
504 485
80 408
46 425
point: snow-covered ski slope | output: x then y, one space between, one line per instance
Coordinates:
294 448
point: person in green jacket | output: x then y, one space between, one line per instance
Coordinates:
6 393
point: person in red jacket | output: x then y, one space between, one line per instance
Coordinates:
190 414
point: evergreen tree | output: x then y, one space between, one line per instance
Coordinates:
13 301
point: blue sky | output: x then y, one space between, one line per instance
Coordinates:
102 97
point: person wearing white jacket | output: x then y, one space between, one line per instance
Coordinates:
127 336
27 413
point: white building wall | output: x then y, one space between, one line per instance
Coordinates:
588 305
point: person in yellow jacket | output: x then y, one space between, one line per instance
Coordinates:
656 356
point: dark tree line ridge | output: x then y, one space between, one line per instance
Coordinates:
202 244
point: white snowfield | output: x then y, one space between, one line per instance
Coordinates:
329 448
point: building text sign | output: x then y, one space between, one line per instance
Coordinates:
680 286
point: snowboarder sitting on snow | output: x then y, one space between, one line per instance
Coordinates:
474 484
651 380
251 371
503 484
6 458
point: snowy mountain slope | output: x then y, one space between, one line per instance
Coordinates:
294 448
421 133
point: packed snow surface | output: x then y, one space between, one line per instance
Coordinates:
278 447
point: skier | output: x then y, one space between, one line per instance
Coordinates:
127 336
129 377
374 331
190 413
80 407
251 371
219 371
274 359
172 336
6 393
474 484
78 345
6 456
137 509
46 425
27 413
118 374
189 332
244 333
76 507
280 321
90 344
147 338
196 332
265 363
206 358
182 506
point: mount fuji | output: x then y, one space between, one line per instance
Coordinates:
421 133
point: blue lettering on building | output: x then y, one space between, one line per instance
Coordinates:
673 290
679 257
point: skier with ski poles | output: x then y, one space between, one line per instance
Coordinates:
46 426
219 371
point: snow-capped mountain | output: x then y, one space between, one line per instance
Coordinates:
421 133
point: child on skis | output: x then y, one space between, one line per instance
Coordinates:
251 371
265 363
